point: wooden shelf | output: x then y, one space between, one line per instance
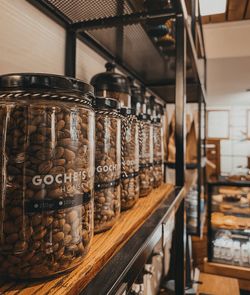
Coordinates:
104 247
233 271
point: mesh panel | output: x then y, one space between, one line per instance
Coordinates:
139 53
82 10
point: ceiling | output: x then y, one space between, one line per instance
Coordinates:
236 10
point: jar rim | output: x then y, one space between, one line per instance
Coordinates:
107 103
125 111
42 81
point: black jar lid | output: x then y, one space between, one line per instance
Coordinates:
110 81
157 5
136 93
144 117
37 81
156 120
106 103
127 111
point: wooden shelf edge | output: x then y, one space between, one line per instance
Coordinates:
237 272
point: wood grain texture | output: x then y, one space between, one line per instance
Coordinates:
244 284
247 12
236 10
104 246
232 271
218 285
218 18
206 19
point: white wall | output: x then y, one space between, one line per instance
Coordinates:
228 63
32 42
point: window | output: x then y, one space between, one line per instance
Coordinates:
218 124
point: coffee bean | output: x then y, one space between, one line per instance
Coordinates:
36 219
56 193
57 237
69 155
45 167
59 151
60 125
16 211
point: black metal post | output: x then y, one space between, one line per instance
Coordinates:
119 30
204 148
70 56
180 100
193 18
189 268
199 162
209 226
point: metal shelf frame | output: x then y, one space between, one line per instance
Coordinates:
184 40
200 166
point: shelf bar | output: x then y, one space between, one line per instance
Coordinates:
70 55
180 101
114 21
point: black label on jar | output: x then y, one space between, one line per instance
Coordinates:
130 175
147 165
103 185
58 204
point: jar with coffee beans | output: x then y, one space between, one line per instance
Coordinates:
130 159
157 153
156 112
145 154
145 139
112 85
107 163
47 174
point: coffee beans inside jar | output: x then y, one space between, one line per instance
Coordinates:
47 144
107 164
130 159
157 153
145 155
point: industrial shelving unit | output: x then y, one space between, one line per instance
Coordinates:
116 30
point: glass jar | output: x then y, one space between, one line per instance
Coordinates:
157 153
107 164
130 159
112 85
47 175
145 155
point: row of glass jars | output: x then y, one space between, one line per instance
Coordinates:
49 136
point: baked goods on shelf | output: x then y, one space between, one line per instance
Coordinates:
229 221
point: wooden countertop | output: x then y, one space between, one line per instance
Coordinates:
103 247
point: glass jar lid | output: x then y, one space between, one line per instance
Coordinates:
106 103
37 81
111 81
